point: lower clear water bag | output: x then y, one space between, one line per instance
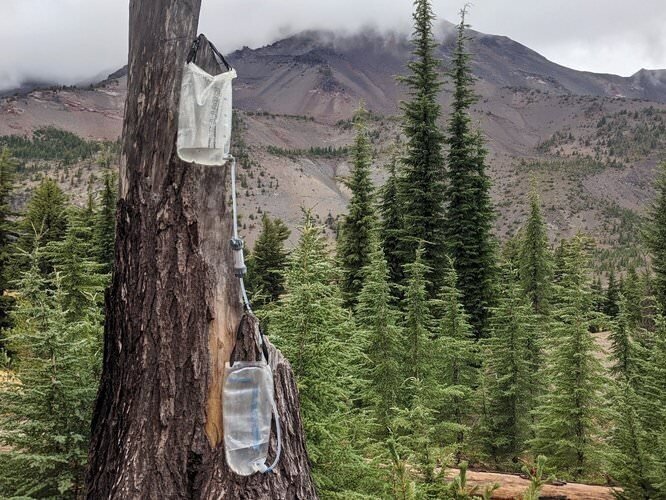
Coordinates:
248 409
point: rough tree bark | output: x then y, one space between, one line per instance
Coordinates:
173 309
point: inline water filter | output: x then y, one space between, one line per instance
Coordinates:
205 111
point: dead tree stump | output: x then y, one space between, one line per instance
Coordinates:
173 309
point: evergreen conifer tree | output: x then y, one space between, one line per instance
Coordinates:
354 239
651 389
508 369
625 351
391 223
656 237
469 214
455 366
570 415
316 333
46 214
415 436
418 319
378 317
268 261
634 297
47 403
535 259
104 234
612 298
631 461
512 249
7 233
598 295
421 183
82 278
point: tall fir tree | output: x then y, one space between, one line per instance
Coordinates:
376 314
268 262
455 371
656 236
317 334
652 410
510 383
570 414
47 403
611 306
535 260
104 234
626 350
469 211
598 295
354 238
630 460
7 234
415 438
421 181
46 214
634 294
418 319
391 220
82 278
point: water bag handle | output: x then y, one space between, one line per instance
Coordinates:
192 55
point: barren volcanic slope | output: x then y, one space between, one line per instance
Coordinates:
324 75
591 140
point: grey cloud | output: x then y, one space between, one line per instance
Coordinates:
73 40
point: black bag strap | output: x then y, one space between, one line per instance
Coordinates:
192 56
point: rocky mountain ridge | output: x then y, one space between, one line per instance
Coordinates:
591 140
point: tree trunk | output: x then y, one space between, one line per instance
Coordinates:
174 309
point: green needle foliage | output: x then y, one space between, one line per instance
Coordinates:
469 214
510 382
376 315
418 320
612 298
104 234
46 214
535 259
391 223
570 415
536 473
455 367
81 276
7 231
653 406
415 437
626 350
656 237
317 334
268 262
631 461
634 294
421 180
354 239
48 399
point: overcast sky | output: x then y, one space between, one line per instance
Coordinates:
73 40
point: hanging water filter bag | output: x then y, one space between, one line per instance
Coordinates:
248 403
205 110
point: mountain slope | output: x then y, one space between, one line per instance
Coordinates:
325 75
592 151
